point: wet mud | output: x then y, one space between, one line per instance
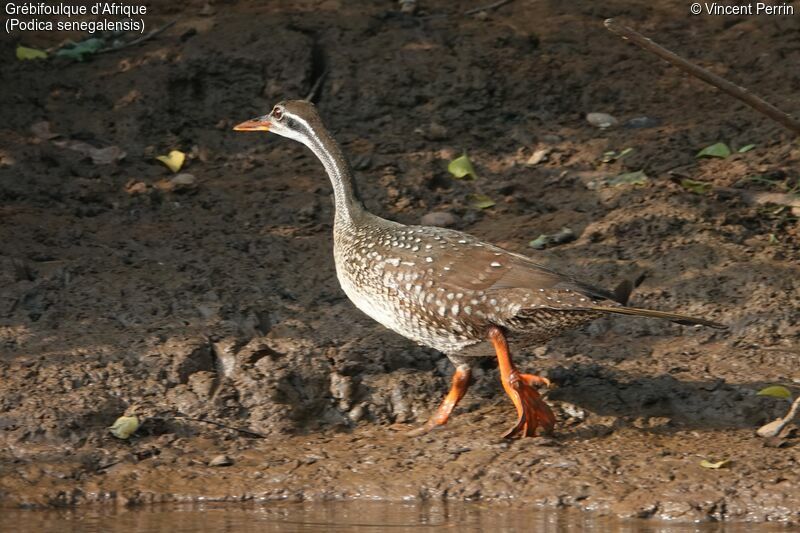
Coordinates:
218 300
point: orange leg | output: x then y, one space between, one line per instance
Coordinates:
531 410
458 388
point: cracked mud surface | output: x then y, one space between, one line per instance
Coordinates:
221 302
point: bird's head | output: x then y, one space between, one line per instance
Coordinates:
296 119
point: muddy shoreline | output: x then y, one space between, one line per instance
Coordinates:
219 300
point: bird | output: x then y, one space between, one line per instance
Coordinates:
448 290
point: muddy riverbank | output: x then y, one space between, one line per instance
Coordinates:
218 300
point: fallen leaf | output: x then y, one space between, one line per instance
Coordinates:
135 187
746 148
611 155
461 167
174 160
697 187
719 150
24 53
124 426
78 50
775 391
561 236
480 201
630 178
708 464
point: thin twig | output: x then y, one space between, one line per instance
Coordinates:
225 426
138 40
757 103
312 94
487 8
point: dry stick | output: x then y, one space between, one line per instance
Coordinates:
487 8
221 425
138 40
315 88
724 85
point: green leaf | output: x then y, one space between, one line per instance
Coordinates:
720 150
79 50
697 187
480 201
708 464
776 391
611 156
630 178
746 148
540 242
461 167
24 53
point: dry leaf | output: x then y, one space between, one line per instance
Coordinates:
708 464
124 426
24 53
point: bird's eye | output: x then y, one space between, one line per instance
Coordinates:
277 113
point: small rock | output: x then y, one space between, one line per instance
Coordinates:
573 410
342 389
642 122
408 6
443 219
601 120
436 132
537 157
42 130
221 460
356 413
551 138
181 182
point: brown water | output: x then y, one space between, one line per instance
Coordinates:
366 517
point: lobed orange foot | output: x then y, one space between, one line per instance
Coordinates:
532 412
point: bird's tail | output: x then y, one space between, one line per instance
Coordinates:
672 317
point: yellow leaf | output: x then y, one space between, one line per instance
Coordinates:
23 53
124 426
708 464
776 391
174 160
480 201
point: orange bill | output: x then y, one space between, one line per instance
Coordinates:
256 124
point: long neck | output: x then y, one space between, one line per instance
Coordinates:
345 194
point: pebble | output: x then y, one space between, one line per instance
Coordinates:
436 132
443 219
221 460
537 157
601 120
642 122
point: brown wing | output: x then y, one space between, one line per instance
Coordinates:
463 262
